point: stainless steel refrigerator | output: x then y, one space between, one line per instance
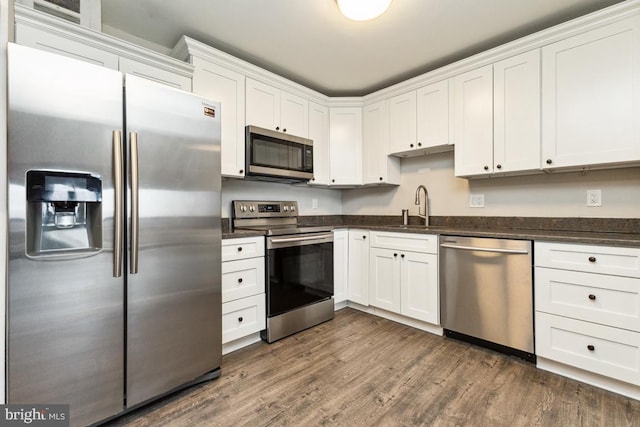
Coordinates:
114 237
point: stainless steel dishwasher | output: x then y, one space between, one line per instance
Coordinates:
486 293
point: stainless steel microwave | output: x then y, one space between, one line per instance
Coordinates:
277 156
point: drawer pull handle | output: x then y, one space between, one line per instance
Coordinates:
592 259
240 319
240 281
402 255
590 347
592 297
239 248
395 254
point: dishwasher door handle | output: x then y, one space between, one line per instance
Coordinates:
481 249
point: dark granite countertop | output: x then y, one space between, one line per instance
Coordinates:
588 237
602 231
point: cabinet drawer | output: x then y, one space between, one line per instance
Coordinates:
242 278
427 243
608 300
243 317
242 248
588 258
607 351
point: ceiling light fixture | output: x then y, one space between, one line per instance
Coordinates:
363 10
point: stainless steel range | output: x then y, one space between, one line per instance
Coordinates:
299 266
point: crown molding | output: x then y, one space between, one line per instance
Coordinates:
188 47
78 33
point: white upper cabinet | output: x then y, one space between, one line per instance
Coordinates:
46 32
271 108
378 167
591 98
319 134
473 131
421 121
345 146
402 123
294 114
497 118
435 115
516 113
149 72
221 84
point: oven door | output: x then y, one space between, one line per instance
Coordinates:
299 271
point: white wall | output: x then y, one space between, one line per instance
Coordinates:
544 195
329 201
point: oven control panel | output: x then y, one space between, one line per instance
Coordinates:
264 209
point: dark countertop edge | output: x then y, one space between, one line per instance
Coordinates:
608 239
242 233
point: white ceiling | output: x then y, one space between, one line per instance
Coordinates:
310 42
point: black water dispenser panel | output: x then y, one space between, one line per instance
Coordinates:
54 186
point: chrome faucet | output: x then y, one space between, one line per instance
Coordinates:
426 204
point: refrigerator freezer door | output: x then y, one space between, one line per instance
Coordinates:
65 308
174 306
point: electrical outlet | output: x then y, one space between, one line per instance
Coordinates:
594 197
476 200
314 203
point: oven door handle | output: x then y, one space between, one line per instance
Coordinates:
301 239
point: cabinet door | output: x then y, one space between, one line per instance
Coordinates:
48 41
220 84
149 72
294 115
473 130
402 123
358 288
419 286
590 97
384 279
378 167
319 134
340 265
435 115
345 146
262 105
516 113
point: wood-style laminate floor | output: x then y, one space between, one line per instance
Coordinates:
362 370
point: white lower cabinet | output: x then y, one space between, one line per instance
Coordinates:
243 291
403 274
358 276
612 352
340 265
587 310
243 317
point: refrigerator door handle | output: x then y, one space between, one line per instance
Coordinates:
118 216
133 139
